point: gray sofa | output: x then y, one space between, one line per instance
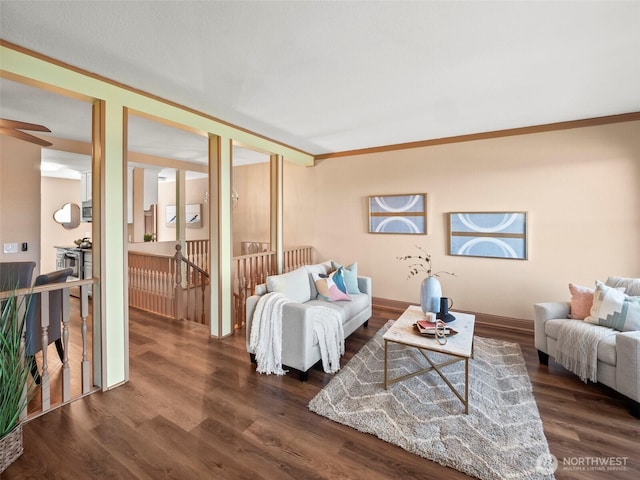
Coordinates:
300 348
618 354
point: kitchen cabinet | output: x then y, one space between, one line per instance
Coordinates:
85 187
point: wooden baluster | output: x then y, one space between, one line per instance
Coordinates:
21 306
66 370
45 390
203 317
168 286
179 312
206 256
84 314
166 293
189 273
243 296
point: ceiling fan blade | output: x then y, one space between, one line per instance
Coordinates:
4 122
24 136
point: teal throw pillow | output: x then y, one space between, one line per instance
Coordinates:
350 275
338 278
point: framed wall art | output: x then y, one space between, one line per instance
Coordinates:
488 234
404 214
193 216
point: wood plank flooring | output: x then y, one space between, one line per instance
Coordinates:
195 408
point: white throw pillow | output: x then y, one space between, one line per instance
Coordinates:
294 285
612 308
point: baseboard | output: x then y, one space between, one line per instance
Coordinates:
396 307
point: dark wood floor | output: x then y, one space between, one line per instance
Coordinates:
195 408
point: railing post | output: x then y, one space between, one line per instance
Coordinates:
84 314
22 307
45 390
179 313
66 370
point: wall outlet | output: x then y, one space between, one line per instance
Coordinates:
10 248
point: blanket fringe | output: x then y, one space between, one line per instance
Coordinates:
327 324
266 333
577 348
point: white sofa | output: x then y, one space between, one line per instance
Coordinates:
618 354
300 348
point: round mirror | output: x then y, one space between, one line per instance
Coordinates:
68 216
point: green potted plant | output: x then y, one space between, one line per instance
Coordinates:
15 384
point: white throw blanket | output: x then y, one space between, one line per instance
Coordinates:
266 333
327 323
577 348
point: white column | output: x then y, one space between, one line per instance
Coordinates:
221 236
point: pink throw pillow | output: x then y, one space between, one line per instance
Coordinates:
581 301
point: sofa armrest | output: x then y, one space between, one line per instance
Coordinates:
544 312
628 364
297 328
297 336
364 285
249 308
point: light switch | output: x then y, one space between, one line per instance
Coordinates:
10 248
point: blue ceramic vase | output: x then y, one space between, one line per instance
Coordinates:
430 293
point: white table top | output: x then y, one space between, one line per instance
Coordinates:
402 331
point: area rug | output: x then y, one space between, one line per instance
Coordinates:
500 438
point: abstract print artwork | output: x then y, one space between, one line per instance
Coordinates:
398 214
193 216
488 234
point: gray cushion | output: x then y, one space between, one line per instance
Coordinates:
347 309
552 327
607 350
606 346
294 285
631 285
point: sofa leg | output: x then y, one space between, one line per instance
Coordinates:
543 358
635 409
252 358
304 376
366 324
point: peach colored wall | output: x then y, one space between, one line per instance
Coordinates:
580 187
156 248
55 193
301 204
195 190
252 218
20 199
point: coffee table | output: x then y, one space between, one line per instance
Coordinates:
459 347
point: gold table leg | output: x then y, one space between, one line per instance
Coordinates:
466 386
436 367
385 363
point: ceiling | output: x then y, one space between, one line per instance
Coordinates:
329 76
